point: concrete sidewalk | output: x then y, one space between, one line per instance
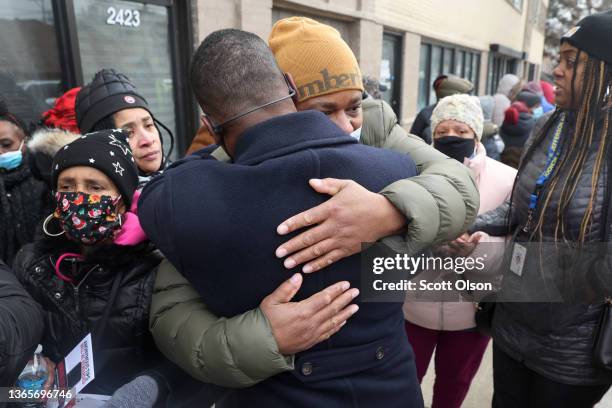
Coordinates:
481 390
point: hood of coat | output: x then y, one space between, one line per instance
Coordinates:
506 84
487 103
48 141
42 147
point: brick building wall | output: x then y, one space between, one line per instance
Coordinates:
471 24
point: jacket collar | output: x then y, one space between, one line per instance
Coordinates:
287 134
478 162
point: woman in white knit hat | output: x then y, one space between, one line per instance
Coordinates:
449 327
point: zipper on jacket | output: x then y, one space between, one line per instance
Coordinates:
75 288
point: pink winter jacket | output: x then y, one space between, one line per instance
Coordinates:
494 180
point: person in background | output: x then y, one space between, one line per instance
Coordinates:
449 327
23 198
373 87
533 103
63 115
444 85
515 131
57 128
548 90
509 86
536 88
111 101
21 327
490 133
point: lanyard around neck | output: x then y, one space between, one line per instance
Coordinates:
552 157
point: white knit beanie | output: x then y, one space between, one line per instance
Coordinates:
462 108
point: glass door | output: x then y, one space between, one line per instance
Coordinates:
134 39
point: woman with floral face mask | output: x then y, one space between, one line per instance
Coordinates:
94 271
22 196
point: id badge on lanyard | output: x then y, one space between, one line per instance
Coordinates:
519 254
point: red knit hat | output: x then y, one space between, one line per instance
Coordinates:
62 115
511 115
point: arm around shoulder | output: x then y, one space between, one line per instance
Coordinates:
441 202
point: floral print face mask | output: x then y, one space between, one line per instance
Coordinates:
87 218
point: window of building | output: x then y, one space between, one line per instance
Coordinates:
437 59
532 72
30 73
499 65
390 71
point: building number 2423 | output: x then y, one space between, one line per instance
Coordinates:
123 17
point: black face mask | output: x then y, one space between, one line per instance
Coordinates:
456 147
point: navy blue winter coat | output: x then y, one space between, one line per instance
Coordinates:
216 222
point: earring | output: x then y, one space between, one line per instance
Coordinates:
49 218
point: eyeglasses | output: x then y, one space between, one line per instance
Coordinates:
218 129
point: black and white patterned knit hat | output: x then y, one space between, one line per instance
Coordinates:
107 151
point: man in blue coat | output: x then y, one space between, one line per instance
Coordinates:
216 223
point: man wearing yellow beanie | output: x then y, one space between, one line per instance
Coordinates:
327 78
323 67
435 206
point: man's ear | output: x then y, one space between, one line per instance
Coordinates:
206 122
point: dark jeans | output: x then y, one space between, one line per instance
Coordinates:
516 386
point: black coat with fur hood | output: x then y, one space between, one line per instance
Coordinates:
124 347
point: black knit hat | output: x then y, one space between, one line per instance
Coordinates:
107 93
593 35
107 151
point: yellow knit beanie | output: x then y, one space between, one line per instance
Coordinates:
316 56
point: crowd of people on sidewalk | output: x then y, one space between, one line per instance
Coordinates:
232 275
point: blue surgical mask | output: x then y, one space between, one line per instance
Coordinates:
356 134
11 160
537 112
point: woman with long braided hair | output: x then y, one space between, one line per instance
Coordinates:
543 352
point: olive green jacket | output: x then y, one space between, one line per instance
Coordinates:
439 204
